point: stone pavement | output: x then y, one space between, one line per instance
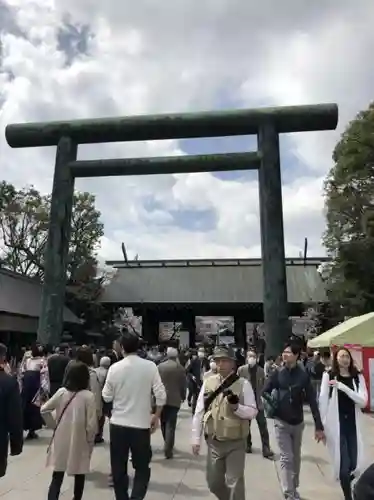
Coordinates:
183 477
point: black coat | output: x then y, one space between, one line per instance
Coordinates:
57 364
11 427
364 489
114 357
195 368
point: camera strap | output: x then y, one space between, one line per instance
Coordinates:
226 384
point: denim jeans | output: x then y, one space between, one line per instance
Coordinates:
348 454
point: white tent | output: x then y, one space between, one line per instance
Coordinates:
358 330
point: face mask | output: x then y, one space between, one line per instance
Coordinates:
213 365
251 361
201 355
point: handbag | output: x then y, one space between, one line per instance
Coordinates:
271 402
59 420
40 398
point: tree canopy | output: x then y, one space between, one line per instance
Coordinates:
24 218
349 201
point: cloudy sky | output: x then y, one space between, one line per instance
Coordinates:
66 59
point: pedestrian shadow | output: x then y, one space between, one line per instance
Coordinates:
185 413
182 464
39 441
100 479
174 489
182 454
198 464
257 452
186 491
314 460
178 454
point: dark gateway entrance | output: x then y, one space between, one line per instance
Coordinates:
266 123
180 290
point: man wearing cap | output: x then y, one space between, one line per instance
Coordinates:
225 404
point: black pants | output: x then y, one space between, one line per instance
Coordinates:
56 483
263 429
122 441
100 428
168 419
348 454
194 394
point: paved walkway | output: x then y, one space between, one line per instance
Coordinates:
182 478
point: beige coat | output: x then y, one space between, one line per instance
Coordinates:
96 389
73 442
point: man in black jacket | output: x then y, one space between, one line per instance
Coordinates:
116 353
195 371
290 386
11 428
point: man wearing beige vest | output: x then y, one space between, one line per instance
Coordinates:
225 405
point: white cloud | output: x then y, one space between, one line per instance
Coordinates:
182 57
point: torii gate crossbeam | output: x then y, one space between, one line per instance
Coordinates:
266 123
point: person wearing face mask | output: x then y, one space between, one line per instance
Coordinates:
212 371
256 376
196 370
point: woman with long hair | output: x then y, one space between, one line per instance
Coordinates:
34 384
342 397
75 427
85 355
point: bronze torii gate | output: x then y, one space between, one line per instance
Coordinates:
266 123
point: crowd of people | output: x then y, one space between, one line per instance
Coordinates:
74 390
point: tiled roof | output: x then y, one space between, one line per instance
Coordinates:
202 283
20 295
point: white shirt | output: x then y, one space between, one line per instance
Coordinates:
245 411
129 385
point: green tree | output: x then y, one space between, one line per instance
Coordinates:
24 217
349 200
322 316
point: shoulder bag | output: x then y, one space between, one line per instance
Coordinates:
271 401
59 420
226 384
